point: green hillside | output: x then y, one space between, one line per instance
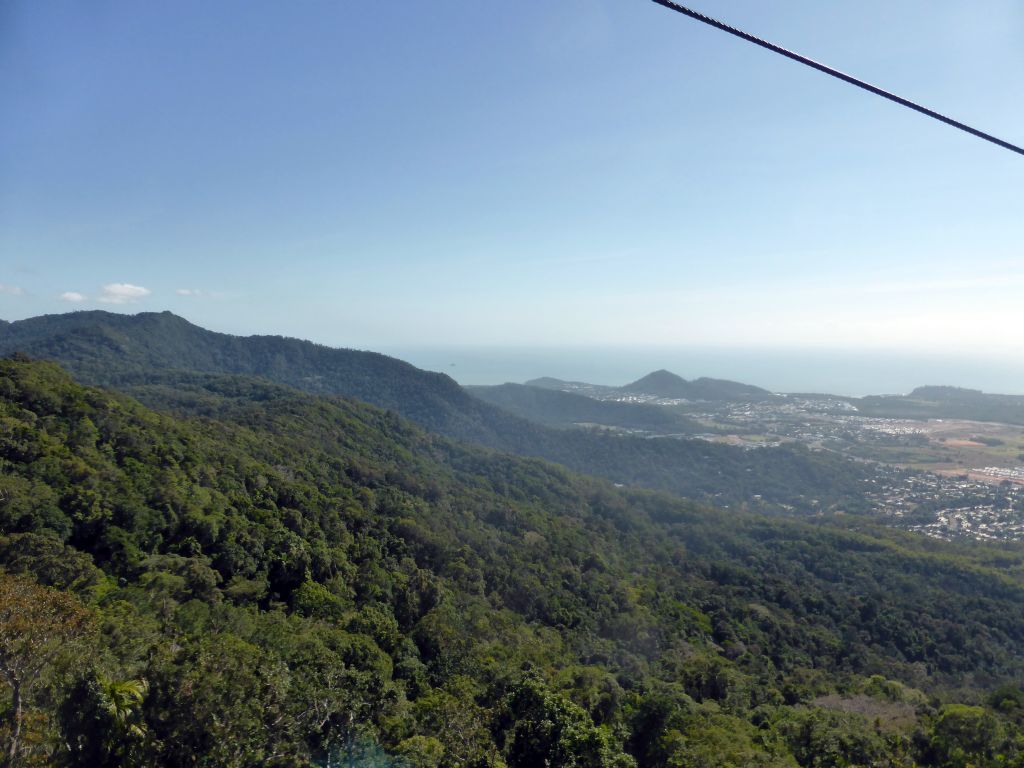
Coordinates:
566 409
667 384
267 578
946 403
126 351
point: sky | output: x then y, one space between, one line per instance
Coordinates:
538 173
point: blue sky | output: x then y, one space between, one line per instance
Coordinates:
577 172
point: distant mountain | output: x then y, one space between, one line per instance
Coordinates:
661 383
944 402
133 352
949 394
117 350
548 382
668 385
566 409
576 387
723 389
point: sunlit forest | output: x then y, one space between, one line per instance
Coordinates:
255 576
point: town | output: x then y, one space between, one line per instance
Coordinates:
948 507
938 477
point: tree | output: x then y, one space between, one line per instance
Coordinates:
457 722
220 701
964 735
103 725
548 729
37 625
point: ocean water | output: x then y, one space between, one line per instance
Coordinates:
783 370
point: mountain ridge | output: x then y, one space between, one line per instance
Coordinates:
122 351
666 385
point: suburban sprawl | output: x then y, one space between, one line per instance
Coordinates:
946 478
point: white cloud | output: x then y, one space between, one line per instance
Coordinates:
190 292
73 296
11 290
123 293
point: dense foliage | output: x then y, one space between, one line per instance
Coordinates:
272 579
126 351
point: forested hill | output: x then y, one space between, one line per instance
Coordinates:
946 403
567 409
273 579
663 384
107 348
127 350
669 385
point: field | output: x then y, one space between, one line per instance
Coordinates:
956 445
936 445
942 445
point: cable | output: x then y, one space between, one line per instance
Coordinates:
836 73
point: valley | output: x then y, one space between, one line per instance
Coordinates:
944 477
339 417
257 528
246 554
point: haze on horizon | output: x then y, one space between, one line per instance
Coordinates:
584 173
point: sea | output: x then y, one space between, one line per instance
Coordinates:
851 373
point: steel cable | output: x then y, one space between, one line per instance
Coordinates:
836 73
